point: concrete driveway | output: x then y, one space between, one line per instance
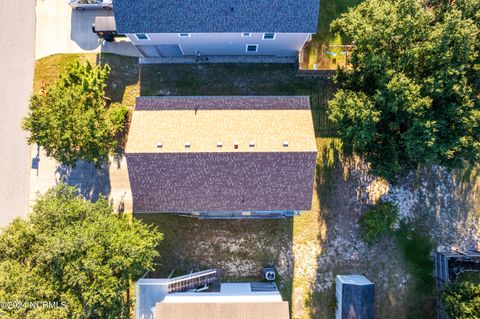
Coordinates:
63 30
17 45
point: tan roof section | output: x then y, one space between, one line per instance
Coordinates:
268 129
261 310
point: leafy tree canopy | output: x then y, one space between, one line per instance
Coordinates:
71 120
412 95
73 252
461 300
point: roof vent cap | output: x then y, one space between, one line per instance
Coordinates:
219 144
159 145
235 145
187 145
285 143
252 144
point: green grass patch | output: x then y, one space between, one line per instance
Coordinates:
378 221
329 11
326 51
47 69
416 248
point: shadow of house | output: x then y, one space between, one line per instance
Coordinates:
124 72
222 79
91 182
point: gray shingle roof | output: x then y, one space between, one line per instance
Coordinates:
196 16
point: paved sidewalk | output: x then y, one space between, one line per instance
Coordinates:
63 30
17 51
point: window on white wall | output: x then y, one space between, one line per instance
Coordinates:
269 36
246 34
142 36
252 48
184 35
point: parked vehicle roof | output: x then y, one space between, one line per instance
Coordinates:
105 24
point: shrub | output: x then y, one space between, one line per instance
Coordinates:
117 118
461 300
378 221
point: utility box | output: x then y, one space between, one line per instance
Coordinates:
268 273
355 297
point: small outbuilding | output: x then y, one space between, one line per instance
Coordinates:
202 295
355 297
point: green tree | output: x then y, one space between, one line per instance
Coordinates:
76 253
411 96
461 300
71 120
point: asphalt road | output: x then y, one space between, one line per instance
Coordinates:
17 54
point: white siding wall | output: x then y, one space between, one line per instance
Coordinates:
284 44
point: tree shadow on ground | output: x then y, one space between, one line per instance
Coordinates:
222 79
91 182
342 251
125 72
438 203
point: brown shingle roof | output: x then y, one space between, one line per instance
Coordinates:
206 178
154 103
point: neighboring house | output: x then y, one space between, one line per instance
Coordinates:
154 299
173 28
222 157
